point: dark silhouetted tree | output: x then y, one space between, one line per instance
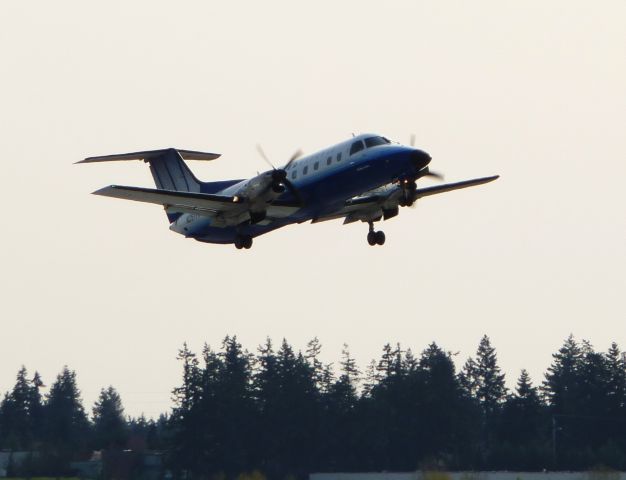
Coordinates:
340 416
66 427
16 421
483 381
110 429
523 431
187 431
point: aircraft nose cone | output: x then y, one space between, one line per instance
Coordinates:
420 158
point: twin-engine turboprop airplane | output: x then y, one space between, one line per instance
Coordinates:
365 178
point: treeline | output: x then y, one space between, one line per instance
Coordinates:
55 428
284 412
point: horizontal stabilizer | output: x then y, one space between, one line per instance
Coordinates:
170 198
151 154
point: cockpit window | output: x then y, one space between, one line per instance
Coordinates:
356 147
375 141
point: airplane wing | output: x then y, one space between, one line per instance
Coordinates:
204 204
174 201
372 205
448 187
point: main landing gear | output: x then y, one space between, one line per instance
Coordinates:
243 241
375 238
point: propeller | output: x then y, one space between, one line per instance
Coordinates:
426 172
279 175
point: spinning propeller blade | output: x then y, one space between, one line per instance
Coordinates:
279 175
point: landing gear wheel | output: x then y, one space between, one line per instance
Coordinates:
243 241
371 238
379 237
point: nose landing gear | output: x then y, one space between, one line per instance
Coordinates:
375 237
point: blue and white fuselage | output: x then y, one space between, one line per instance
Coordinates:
324 180
364 178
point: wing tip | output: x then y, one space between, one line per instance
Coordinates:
103 190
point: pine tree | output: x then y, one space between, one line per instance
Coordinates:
109 425
340 405
235 407
186 421
522 417
561 385
66 424
483 383
616 382
290 402
445 414
349 368
577 390
468 378
385 364
594 377
15 414
372 378
313 350
490 390
36 408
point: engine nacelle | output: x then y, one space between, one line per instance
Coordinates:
390 212
262 189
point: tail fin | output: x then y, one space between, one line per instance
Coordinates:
167 166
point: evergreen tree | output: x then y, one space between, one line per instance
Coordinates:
447 417
349 370
187 430
561 385
386 363
616 383
288 401
340 417
523 429
319 370
372 378
235 407
388 410
36 408
468 378
578 388
489 381
109 426
484 383
15 414
66 424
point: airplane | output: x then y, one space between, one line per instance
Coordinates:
365 178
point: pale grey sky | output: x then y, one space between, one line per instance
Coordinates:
532 90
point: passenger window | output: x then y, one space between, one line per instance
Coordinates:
294 174
305 170
339 157
356 147
316 166
328 160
